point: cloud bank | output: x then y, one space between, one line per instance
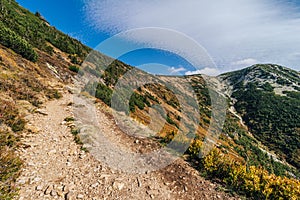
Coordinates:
206 71
174 70
235 33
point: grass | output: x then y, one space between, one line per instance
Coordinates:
75 132
11 124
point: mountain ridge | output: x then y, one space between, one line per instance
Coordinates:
276 85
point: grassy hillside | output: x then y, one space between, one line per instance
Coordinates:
32 30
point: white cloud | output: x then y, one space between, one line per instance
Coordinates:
173 70
206 71
245 62
264 30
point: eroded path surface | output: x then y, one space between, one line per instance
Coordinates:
56 168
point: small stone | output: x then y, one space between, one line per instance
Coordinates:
32 128
53 193
41 111
53 151
71 125
94 185
80 196
39 188
185 188
59 193
37 179
118 186
22 181
70 89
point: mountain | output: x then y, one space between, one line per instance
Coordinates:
268 97
240 141
255 155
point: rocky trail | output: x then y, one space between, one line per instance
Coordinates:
55 167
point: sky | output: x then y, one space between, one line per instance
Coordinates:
233 34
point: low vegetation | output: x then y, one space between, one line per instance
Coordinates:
11 123
19 27
15 42
251 181
74 68
273 119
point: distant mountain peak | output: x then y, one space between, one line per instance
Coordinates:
281 78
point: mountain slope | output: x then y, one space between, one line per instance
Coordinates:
237 149
34 30
268 98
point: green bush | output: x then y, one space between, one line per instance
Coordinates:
49 50
12 40
104 93
137 100
74 59
36 30
273 119
171 121
74 68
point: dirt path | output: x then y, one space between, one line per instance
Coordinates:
56 168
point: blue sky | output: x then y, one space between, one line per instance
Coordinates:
67 16
234 33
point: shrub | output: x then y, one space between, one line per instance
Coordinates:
169 137
253 181
171 121
9 171
104 93
69 119
49 50
12 40
53 94
75 132
74 68
10 116
74 59
195 148
137 100
10 164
